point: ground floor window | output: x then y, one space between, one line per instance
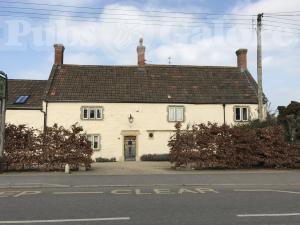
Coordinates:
94 139
241 114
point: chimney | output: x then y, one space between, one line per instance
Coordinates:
242 59
59 54
141 54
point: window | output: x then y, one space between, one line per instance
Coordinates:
176 113
92 113
241 114
85 114
94 139
98 113
22 99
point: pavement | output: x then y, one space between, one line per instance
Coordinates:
139 168
236 197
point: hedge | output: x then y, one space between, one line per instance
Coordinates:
27 148
100 159
155 157
211 146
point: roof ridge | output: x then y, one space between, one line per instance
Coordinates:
25 80
155 65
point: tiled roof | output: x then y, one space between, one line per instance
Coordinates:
33 88
152 84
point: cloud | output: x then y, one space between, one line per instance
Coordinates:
82 58
113 38
32 75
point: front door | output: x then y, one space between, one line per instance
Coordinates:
129 148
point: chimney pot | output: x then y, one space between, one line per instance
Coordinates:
59 54
242 59
141 53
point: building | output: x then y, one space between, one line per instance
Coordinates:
24 103
128 111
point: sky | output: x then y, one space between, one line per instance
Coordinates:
189 32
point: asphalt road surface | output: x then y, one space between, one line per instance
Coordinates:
264 198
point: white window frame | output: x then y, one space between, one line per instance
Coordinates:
88 110
92 140
241 108
176 108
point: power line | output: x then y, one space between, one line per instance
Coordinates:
272 13
286 15
279 22
280 18
116 9
118 14
116 22
83 18
291 28
121 19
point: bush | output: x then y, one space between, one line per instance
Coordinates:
105 159
155 157
212 146
27 148
289 117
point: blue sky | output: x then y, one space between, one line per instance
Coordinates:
26 44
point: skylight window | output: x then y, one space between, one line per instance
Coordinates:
22 99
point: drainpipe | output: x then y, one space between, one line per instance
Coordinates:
45 117
224 113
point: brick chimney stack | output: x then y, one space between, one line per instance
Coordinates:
141 54
59 54
242 59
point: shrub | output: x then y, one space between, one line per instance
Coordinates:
289 117
105 159
212 146
26 148
155 157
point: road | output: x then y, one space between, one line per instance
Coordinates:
259 198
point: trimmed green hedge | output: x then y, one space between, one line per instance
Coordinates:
105 159
155 157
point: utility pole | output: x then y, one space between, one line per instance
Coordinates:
3 96
259 68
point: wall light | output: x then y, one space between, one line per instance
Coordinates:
130 118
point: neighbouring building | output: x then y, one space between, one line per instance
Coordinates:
24 103
128 111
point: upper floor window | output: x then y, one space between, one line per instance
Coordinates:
175 113
92 113
241 113
94 139
22 99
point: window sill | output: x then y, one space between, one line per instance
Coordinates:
92 119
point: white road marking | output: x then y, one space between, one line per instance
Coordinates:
78 192
17 194
268 215
27 193
163 191
8 193
121 192
66 220
204 190
267 190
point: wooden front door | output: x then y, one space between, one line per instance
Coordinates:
129 148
